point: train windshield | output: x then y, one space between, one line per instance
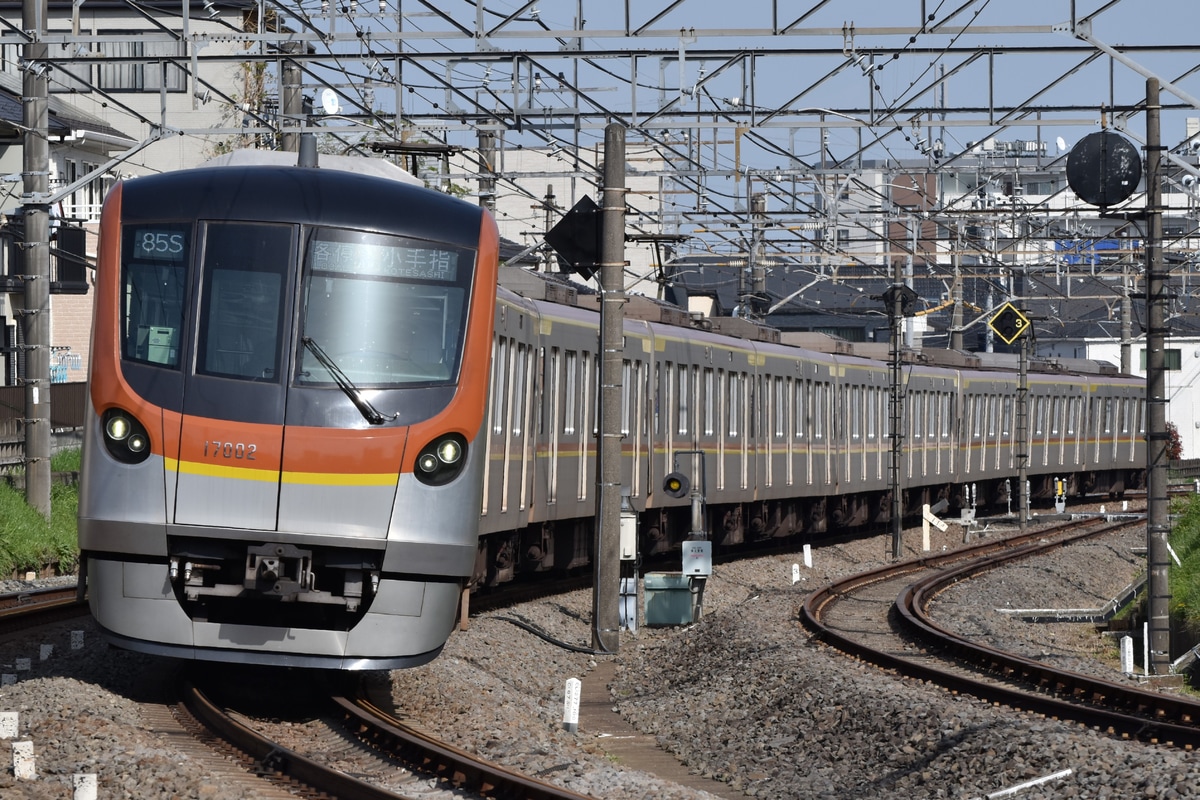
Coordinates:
389 311
154 272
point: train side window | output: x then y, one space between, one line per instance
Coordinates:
1006 416
801 406
241 308
819 392
499 368
154 278
684 398
916 415
520 374
709 403
734 402
594 380
571 392
780 410
977 417
626 386
657 398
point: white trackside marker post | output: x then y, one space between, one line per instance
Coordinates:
1127 655
85 786
571 705
8 724
23 764
795 574
808 556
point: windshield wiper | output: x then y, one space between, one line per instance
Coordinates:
369 412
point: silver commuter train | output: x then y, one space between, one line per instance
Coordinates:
281 463
789 433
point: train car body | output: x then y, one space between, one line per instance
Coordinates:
287 389
316 418
785 437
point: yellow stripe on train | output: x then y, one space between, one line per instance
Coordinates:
271 476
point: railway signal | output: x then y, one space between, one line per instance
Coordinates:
1010 323
676 485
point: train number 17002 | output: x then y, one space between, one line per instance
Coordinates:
230 450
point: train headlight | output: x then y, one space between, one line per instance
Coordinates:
441 460
117 428
125 437
449 451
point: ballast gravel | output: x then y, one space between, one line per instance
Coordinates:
743 696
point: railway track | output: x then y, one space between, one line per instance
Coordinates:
225 737
882 617
397 752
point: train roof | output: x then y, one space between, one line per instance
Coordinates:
559 290
377 167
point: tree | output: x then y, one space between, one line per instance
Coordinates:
1174 442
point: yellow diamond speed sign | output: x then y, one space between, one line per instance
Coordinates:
1009 323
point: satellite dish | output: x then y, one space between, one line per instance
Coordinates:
329 101
1062 144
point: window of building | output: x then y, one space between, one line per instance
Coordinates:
1172 358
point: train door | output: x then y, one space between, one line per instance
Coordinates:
494 421
1074 428
766 434
741 393
630 420
722 411
510 369
972 440
789 420
822 429
916 433
857 441
804 427
234 396
522 406
554 410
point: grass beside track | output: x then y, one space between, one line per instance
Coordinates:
30 543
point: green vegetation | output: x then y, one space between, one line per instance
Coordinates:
1185 578
27 542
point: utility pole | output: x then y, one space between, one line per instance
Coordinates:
487 170
1157 506
956 293
895 299
606 590
1126 324
35 316
1023 432
292 117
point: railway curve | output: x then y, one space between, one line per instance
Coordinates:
882 616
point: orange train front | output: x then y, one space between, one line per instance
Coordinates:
282 462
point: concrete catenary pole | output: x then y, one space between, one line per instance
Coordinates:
35 316
606 593
293 98
896 416
1157 505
